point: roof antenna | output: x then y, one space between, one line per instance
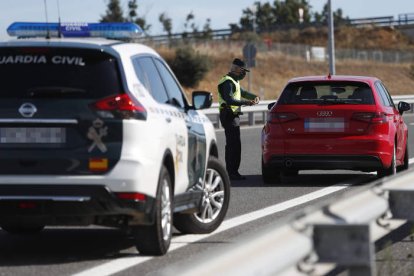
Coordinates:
47 22
59 22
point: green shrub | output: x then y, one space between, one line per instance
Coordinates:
189 66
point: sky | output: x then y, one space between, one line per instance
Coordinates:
220 12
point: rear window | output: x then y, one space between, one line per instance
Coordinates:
41 72
327 93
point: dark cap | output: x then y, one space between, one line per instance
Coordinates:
241 64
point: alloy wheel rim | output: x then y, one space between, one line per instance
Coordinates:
213 197
166 210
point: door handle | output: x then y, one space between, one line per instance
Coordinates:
168 119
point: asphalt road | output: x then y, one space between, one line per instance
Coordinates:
105 251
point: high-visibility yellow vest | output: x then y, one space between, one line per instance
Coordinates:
236 94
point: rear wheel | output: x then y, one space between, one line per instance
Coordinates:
214 205
392 169
155 239
270 175
404 166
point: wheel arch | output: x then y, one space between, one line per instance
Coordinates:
168 162
213 150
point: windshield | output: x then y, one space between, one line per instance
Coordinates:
327 93
57 73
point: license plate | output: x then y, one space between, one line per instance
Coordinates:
32 135
324 125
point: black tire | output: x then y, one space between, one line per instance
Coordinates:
392 169
406 160
214 205
155 239
270 175
22 228
290 173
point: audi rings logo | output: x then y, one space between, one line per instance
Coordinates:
324 113
27 110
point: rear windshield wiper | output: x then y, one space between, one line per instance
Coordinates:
54 91
333 101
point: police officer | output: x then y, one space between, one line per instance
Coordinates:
230 96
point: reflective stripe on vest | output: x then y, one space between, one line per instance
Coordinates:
236 94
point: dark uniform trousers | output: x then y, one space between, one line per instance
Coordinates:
231 125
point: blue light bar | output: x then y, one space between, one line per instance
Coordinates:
108 30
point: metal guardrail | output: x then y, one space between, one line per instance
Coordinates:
340 234
403 19
258 113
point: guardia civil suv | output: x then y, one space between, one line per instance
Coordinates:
97 131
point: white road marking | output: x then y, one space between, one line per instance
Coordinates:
121 264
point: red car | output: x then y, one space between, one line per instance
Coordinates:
334 122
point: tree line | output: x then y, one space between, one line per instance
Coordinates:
260 16
191 67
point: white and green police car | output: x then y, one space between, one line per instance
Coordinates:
97 131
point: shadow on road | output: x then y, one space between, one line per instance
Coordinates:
308 179
52 246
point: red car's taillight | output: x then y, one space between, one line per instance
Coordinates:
131 196
121 106
281 117
370 117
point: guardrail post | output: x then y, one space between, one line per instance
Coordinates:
401 204
264 116
218 125
251 118
346 245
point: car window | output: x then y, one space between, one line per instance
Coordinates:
148 74
45 72
387 94
386 100
173 90
327 93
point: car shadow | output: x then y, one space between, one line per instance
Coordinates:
63 245
308 179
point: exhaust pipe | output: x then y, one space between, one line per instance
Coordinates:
288 163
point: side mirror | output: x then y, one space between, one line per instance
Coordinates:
403 106
202 99
269 106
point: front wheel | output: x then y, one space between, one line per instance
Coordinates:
214 205
155 239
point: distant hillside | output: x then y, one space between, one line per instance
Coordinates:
347 37
274 69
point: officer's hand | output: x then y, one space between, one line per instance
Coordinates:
250 103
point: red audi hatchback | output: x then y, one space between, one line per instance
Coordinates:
334 122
